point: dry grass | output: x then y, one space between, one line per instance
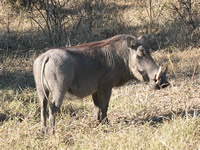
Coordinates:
139 117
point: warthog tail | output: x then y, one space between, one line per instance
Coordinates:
46 59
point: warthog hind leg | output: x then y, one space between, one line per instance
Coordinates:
43 107
58 96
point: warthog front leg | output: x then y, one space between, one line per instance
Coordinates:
97 109
101 100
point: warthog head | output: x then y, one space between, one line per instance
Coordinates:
145 67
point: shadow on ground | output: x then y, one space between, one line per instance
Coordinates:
17 80
153 119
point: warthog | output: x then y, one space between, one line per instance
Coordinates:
93 68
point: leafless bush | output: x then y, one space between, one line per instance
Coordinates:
96 19
186 12
60 22
78 20
54 18
153 12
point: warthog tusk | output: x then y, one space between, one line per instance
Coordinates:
158 74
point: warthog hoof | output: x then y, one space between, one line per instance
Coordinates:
43 130
105 121
51 131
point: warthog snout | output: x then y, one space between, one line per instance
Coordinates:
160 80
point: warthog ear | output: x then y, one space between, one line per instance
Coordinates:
131 41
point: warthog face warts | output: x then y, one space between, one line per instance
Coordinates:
152 74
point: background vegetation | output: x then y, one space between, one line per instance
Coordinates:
45 23
139 117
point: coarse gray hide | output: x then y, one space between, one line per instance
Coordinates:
93 69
